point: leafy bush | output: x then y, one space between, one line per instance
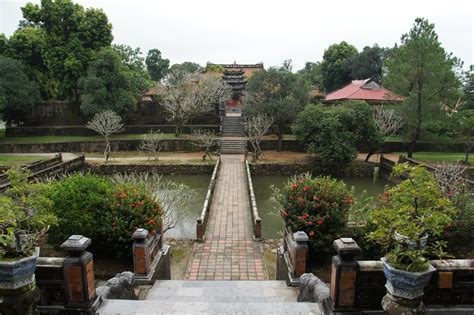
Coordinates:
108 214
323 134
318 206
25 215
414 209
459 233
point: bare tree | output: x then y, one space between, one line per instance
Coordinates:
106 123
151 144
187 95
450 177
256 127
175 199
204 139
387 122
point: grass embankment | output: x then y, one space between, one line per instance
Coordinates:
439 156
8 160
52 139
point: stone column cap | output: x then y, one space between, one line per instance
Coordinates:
76 243
300 236
140 234
346 247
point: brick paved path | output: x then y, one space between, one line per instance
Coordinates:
229 252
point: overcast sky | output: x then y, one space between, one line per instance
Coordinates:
252 31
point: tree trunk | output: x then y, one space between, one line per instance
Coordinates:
176 131
280 140
369 155
467 149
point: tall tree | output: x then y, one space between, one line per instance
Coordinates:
468 96
312 72
109 85
133 60
3 44
157 66
187 66
73 35
18 93
367 64
279 94
334 71
28 44
422 71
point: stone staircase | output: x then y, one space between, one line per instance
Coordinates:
233 134
214 297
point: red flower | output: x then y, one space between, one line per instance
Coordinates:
293 186
306 188
315 198
151 222
283 213
320 221
311 233
309 223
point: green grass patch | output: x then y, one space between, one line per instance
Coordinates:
52 139
439 156
8 160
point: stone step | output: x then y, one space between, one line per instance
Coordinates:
122 307
221 295
232 151
269 284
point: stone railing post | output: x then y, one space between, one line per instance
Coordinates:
141 259
78 270
151 259
344 275
301 253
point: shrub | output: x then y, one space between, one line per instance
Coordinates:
108 214
25 215
415 208
80 203
318 206
322 132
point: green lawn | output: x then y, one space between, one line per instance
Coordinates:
440 156
49 139
7 160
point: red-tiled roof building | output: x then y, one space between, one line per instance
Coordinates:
363 90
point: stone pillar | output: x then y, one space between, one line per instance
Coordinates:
141 259
344 274
78 269
301 253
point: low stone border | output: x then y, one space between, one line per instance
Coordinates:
165 169
256 220
201 222
355 169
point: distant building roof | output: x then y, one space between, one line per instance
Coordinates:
363 90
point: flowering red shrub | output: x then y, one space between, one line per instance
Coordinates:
107 213
131 208
318 206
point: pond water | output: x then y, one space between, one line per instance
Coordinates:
186 228
272 223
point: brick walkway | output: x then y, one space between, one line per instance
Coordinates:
229 252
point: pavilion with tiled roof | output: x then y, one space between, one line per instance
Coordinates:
363 90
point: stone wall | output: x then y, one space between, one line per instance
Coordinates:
63 113
175 169
355 169
95 146
80 130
